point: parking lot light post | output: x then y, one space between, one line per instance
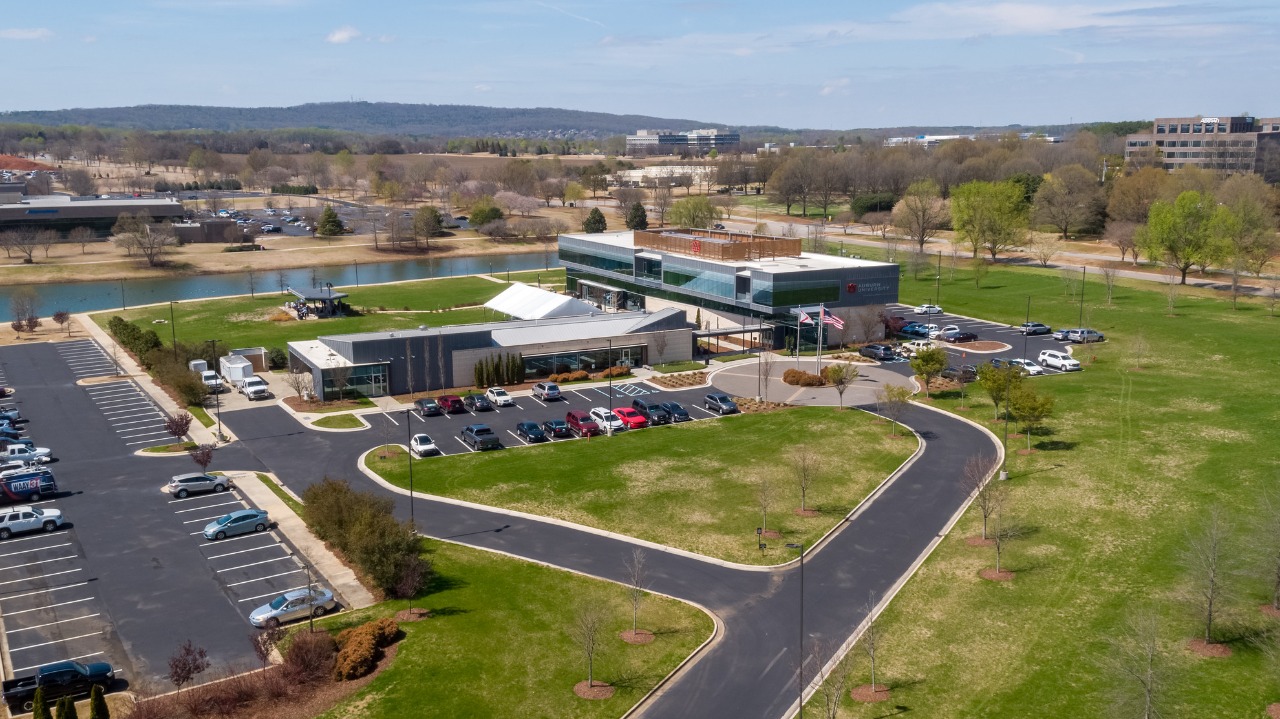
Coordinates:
1084 271
1026 329
413 524
800 668
609 366
937 282
217 396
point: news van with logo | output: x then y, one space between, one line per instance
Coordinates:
27 485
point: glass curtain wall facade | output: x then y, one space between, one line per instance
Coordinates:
591 360
365 380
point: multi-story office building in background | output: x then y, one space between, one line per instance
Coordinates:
1227 144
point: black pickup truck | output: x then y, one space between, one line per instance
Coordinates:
59 679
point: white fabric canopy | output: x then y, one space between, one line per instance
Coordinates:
530 303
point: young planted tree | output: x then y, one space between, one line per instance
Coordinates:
806 466
98 708
999 382
1002 532
1029 408
764 501
832 680
62 318
893 401
588 622
186 664
299 382
40 706
871 640
1206 564
66 709
840 376
178 425
1139 667
341 376
1108 281
988 496
637 578
929 364
202 455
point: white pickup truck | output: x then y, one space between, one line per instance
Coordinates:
212 381
23 453
255 388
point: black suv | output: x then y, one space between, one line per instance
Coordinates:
651 411
476 403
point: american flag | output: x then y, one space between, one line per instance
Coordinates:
830 319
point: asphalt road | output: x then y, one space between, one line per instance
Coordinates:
751 671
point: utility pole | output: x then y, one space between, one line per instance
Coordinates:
800 669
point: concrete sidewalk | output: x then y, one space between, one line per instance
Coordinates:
131 370
337 575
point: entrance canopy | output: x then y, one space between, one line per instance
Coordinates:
525 302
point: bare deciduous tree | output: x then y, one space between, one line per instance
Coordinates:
806 465
1044 248
46 239
1003 531
1172 289
1206 567
988 496
1137 661
637 579
341 376
765 368
1109 281
764 501
871 639
299 382
893 401
23 303
832 680
588 622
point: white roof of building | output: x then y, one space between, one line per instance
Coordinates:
526 302
625 239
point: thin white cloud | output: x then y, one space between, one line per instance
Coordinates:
385 39
342 35
831 87
25 33
575 16
482 88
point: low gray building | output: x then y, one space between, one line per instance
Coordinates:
64 213
404 361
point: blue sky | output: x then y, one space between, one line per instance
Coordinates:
746 62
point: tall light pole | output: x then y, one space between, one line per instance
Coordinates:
1026 333
413 523
1084 270
937 282
217 396
800 670
173 330
608 366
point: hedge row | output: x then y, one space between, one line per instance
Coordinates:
803 379
229 183
295 189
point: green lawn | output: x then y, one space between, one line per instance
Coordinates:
244 322
200 415
498 645
692 486
277 490
345 420
671 367
1171 416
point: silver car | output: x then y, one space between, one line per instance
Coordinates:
183 484
241 521
294 604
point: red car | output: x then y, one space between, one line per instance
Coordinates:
631 418
451 403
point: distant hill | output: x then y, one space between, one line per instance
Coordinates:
374 118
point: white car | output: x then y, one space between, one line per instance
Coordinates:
936 333
928 310
499 397
28 519
606 418
911 348
1054 359
1027 366
422 445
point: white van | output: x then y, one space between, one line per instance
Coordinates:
1058 360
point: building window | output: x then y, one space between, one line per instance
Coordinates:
1186 127
1159 129
704 281
597 360
609 264
1196 129
784 294
649 269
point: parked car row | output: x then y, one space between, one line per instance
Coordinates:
23 476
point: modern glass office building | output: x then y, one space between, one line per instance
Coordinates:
742 278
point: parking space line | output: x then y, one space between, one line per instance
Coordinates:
42 576
535 399
242 551
135 421
55 546
206 519
205 506
234 539
142 434
132 409
56 641
464 444
146 441
253 564
389 419
50 624
122 401
272 594
114 392
42 561
418 417
41 591
72 659
269 576
704 409
521 441
49 606
198 497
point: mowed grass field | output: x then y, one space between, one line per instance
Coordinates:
694 486
244 321
1172 417
498 643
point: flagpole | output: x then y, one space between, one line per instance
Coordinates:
798 318
822 320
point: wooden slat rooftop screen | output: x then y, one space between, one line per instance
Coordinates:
721 245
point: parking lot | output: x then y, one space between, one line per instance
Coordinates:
87 359
444 428
50 604
251 568
1020 346
130 413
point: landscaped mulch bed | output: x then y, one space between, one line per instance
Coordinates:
596 690
868 693
1208 649
639 636
978 541
297 404
681 379
748 405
